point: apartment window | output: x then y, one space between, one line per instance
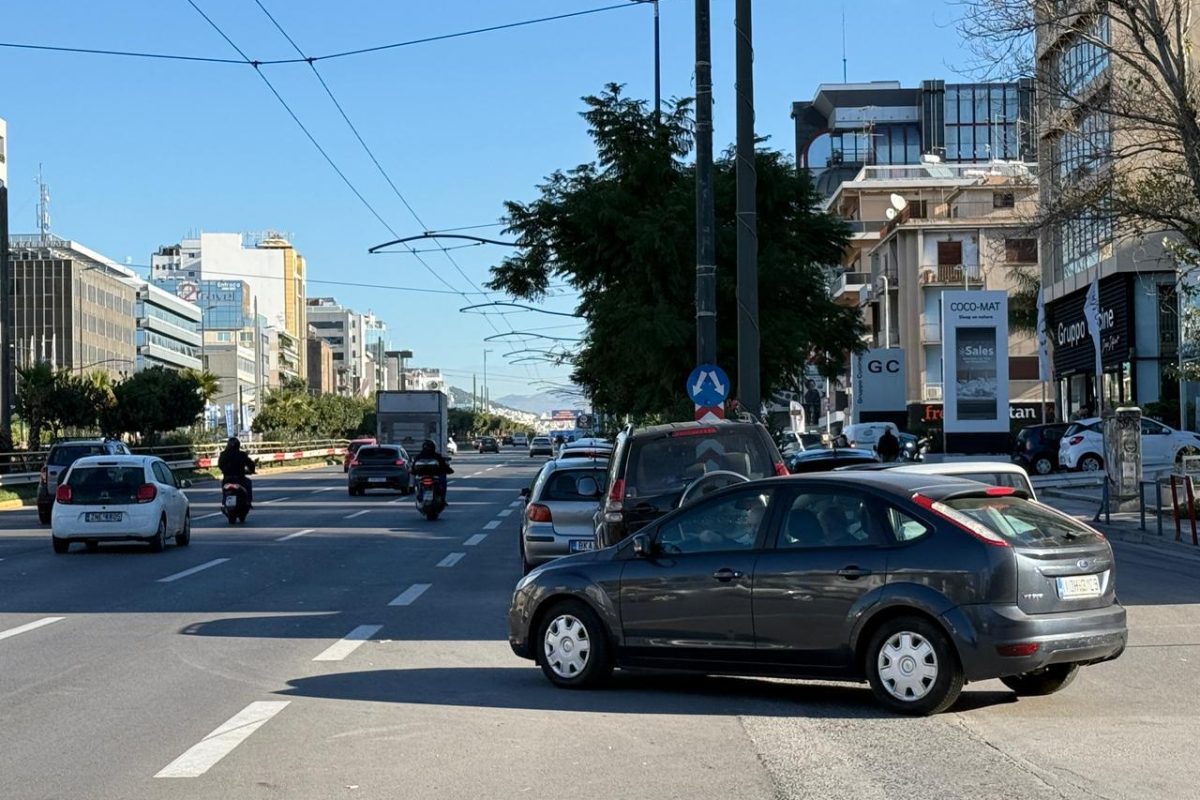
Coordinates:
1004 200
918 209
1020 251
949 254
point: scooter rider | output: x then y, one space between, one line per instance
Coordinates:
435 465
236 465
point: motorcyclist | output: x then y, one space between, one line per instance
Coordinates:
430 462
236 466
888 446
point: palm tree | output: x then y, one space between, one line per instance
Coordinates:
207 384
34 401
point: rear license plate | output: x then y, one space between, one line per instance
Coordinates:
579 545
377 480
231 502
1077 586
103 516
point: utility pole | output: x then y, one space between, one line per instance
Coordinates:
7 370
474 394
749 380
657 69
486 396
706 245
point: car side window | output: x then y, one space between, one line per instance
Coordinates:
829 518
162 474
728 523
905 528
1152 428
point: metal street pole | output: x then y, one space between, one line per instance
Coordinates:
706 244
657 69
485 380
749 379
7 328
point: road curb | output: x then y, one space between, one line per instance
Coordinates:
1165 542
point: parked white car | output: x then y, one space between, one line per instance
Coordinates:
864 435
120 499
1082 445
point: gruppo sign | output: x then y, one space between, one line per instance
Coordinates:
975 361
877 380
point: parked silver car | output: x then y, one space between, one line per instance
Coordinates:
559 508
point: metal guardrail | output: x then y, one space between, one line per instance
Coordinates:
29 464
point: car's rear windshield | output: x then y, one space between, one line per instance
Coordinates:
64 455
106 484
1024 522
372 453
1013 480
1079 427
672 462
541 440
355 446
564 485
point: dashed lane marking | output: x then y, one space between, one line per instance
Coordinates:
358 513
474 540
505 512
491 526
409 595
514 504
220 743
210 516
276 500
193 570
30 626
295 535
348 644
451 560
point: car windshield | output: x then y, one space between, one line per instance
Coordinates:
1078 427
672 462
1022 521
64 455
378 454
106 484
355 446
541 440
564 485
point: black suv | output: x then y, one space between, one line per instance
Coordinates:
1036 448
61 456
652 469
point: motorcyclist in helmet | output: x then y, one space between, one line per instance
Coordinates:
236 466
430 462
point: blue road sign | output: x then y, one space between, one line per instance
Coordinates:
708 385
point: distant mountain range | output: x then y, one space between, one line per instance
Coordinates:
534 403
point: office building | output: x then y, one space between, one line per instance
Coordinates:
345 332
377 345
168 329
322 379
284 357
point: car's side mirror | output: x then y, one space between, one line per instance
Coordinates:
641 545
587 487
525 492
185 484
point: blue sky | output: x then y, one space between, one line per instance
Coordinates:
140 153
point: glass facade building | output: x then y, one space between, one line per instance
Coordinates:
225 305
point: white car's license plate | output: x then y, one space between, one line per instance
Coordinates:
579 545
103 516
377 480
1077 586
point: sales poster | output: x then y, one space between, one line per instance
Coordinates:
975 361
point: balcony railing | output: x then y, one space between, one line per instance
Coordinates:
850 282
932 392
950 274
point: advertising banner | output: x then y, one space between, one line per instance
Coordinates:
877 379
975 361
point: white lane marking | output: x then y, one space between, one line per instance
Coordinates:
474 540
474 474
276 500
489 469
212 748
514 504
347 645
193 570
30 626
491 526
358 513
505 512
409 595
325 489
451 560
208 516
295 535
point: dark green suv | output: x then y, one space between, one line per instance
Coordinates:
61 456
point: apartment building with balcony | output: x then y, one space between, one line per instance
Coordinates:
168 329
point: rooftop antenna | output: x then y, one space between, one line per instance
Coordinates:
43 208
844 79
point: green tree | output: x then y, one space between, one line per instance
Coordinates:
621 231
285 415
207 383
153 401
1022 300
34 401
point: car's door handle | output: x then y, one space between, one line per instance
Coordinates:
725 574
853 572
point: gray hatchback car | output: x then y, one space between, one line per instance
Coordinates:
559 508
60 458
913 583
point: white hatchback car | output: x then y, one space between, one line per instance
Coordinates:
118 499
1082 445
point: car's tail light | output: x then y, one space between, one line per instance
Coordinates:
147 492
961 520
1021 649
63 495
45 474
692 432
616 496
781 469
400 462
1076 439
538 513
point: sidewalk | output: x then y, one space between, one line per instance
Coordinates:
1124 526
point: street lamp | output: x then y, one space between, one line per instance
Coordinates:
887 311
404 354
485 380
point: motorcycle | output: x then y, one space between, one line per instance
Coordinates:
431 496
234 503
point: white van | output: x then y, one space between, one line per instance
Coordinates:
864 435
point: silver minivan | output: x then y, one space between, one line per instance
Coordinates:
559 507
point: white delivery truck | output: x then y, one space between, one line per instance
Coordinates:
408 418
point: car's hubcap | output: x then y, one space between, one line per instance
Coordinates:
568 646
908 666
1043 466
1091 465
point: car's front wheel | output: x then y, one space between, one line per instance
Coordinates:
1043 465
912 667
1044 681
572 646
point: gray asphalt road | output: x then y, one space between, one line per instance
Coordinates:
324 652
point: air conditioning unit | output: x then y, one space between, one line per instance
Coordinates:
933 393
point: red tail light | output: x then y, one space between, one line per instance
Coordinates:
693 432
539 513
1022 649
399 462
616 495
1076 439
45 474
781 469
427 481
977 529
147 492
1000 491
63 495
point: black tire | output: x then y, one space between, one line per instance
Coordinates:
242 517
158 542
1042 682
947 680
1042 465
351 492
92 547
184 537
44 515
1091 463
526 567
60 545
232 518
598 665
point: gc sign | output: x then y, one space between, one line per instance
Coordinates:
884 365
877 381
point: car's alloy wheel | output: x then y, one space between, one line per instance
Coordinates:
1044 681
184 537
572 648
1043 466
158 542
912 667
1090 463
